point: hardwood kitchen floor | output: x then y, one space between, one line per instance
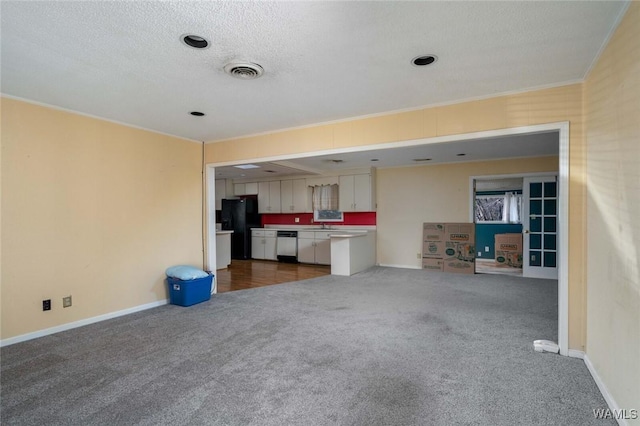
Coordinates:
244 274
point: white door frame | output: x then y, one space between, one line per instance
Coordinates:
563 201
210 213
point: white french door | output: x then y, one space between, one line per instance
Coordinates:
540 227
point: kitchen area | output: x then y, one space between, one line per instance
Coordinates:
297 226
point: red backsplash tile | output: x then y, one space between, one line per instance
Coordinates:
350 218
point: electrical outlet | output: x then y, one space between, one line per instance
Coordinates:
46 305
66 302
297 220
486 248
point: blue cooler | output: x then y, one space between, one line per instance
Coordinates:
189 292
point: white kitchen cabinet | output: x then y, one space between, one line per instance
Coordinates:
270 241
249 188
294 196
221 192
263 244
269 197
323 248
223 249
356 193
314 247
306 247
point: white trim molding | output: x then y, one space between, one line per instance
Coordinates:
76 324
574 353
400 266
613 406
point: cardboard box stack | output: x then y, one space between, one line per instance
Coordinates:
432 246
508 250
449 247
460 248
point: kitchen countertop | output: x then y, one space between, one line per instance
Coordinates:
223 232
345 235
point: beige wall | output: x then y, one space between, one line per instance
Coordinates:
517 110
612 100
409 196
90 209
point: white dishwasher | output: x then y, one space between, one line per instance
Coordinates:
287 246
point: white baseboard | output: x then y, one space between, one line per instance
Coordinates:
574 353
76 324
603 389
400 266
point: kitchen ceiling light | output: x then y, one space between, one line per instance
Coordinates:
197 113
247 166
195 41
461 155
420 61
421 159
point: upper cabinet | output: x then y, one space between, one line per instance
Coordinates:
294 196
357 193
250 188
269 197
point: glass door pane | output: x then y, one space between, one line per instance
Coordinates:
540 225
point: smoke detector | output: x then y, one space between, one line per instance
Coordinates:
244 71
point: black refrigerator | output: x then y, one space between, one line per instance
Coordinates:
240 216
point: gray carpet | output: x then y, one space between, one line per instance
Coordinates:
384 347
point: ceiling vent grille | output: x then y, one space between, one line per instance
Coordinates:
244 71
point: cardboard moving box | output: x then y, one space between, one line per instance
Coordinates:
508 248
433 240
433 264
449 246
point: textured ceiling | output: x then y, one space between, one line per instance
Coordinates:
323 61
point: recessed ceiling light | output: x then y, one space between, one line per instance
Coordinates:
423 60
374 159
197 113
337 161
194 41
421 159
461 155
270 171
247 166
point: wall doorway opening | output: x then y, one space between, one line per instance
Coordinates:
516 223
497 206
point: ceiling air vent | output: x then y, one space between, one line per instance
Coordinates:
244 71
